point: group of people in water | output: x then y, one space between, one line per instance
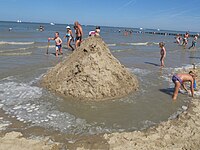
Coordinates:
180 79
70 38
185 40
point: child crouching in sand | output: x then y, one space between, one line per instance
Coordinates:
162 53
58 43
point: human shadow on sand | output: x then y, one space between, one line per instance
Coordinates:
55 54
150 63
195 57
168 91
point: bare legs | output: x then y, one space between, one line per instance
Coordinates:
69 45
176 90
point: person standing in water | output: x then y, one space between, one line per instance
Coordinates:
79 33
178 39
96 32
162 53
194 42
69 36
180 79
58 43
185 39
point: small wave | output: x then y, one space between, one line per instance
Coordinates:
12 91
179 111
110 45
16 43
134 44
138 44
118 50
139 71
18 49
45 47
15 54
147 123
23 102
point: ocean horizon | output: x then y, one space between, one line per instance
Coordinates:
159 30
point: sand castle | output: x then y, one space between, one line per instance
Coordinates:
91 72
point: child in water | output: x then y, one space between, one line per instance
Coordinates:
58 43
162 53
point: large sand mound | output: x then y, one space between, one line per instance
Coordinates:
91 73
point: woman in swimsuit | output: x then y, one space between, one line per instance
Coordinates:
180 79
69 36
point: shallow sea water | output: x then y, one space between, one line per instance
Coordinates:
23 101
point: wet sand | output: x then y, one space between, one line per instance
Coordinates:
15 141
181 133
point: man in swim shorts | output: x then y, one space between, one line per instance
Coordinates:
180 79
185 39
79 33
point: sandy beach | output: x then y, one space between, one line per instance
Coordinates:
182 133
16 141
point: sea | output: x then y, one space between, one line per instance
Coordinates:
27 107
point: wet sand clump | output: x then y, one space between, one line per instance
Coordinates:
91 72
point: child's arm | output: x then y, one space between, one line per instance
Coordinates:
51 39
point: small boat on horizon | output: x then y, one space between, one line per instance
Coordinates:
52 23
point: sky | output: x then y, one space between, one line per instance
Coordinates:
181 15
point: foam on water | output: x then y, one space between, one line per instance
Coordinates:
45 47
15 54
139 71
26 103
121 50
16 43
4 124
133 44
171 71
18 49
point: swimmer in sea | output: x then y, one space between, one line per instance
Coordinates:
58 43
69 36
179 81
79 33
162 53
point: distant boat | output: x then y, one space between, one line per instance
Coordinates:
141 28
19 21
52 23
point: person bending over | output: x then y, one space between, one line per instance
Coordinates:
180 80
